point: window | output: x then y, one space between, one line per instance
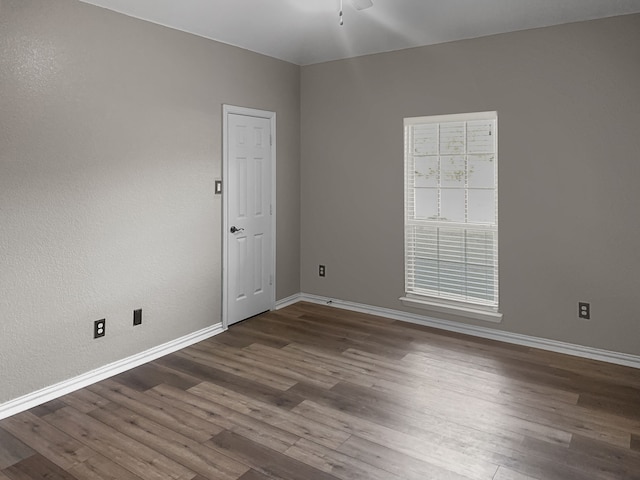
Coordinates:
451 213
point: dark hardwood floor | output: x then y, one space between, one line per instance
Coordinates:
314 392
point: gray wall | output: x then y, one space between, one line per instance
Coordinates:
110 141
568 101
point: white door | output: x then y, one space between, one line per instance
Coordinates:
249 278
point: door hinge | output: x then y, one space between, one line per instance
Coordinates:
270 279
270 140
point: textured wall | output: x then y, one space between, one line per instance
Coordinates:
569 110
110 140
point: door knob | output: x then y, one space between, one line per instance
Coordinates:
234 229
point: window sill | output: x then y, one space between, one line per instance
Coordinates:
469 311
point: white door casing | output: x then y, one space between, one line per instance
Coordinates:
248 213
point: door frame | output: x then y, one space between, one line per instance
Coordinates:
271 116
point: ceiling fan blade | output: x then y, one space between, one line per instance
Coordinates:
362 4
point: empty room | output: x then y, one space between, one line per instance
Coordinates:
319 239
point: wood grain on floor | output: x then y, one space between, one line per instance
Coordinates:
312 392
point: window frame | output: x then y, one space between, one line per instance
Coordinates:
433 300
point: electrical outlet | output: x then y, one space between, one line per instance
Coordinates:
321 270
99 328
584 310
137 317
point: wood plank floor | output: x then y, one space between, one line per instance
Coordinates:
314 392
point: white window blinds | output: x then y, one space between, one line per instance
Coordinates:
451 208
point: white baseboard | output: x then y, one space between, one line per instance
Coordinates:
482 332
52 392
285 302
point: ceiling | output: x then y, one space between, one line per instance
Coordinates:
307 31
